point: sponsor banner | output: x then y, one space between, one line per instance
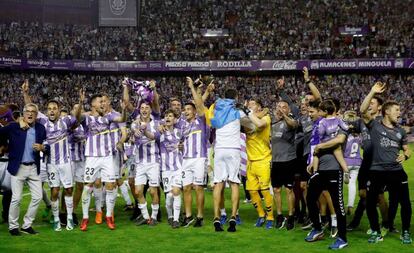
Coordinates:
355 31
234 65
187 66
10 62
214 32
356 64
177 66
283 65
117 12
49 64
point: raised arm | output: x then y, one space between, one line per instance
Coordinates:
280 87
125 96
312 87
376 89
209 91
197 98
25 90
155 104
78 112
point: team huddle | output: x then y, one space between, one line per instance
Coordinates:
311 149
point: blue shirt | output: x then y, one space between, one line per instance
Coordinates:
28 155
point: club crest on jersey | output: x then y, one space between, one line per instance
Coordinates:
399 136
118 7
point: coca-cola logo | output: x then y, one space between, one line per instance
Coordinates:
284 65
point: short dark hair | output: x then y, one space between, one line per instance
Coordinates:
257 101
175 99
327 106
387 105
230 94
314 104
191 104
53 101
95 96
336 102
283 101
169 111
379 99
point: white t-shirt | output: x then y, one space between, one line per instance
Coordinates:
229 135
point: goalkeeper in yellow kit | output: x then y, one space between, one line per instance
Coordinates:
258 168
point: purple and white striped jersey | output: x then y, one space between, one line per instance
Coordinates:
180 122
195 136
115 129
77 140
146 150
98 143
57 134
315 139
329 127
171 156
129 149
243 154
352 152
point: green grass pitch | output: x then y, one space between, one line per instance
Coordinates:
129 238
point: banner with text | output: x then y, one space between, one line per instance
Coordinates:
207 66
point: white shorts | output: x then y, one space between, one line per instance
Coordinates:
131 167
60 174
79 171
172 179
43 172
227 165
96 167
353 168
194 171
117 164
148 173
210 157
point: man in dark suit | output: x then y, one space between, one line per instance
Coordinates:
9 113
25 140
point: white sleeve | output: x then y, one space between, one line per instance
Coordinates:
242 114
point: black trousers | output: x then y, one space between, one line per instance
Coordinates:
332 182
7 196
397 186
